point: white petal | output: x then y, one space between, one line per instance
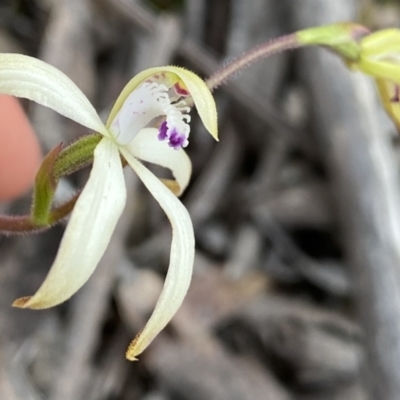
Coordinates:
147 147
88 232
181 258
33 79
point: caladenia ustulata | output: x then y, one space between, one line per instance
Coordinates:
149 122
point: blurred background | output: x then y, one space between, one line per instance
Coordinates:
296 286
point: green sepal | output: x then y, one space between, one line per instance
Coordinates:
45 187
343 38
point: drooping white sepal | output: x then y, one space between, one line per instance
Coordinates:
180 268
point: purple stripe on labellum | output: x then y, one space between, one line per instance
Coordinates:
162 131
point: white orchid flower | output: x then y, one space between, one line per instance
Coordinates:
154 97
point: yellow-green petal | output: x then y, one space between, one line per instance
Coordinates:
380 69
381 44
387 91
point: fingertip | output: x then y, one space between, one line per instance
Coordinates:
20 154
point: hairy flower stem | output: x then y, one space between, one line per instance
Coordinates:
58 163
17 225
77 155
45 187
229 70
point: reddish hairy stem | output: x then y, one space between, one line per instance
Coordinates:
63 210
19 225
288 42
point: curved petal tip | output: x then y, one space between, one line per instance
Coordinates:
132 351
202 98
179 273
22 302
